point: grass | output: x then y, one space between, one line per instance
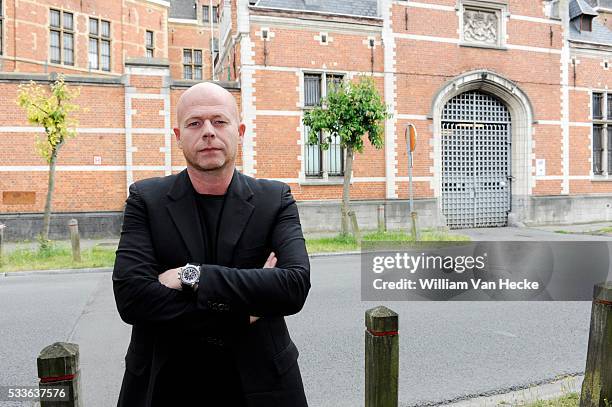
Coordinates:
348 243
57 256
567 400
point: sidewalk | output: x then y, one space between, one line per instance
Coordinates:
85 244
549 232
578 228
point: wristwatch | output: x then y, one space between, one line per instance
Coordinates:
189 275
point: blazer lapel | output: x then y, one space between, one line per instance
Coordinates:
184 213
237 211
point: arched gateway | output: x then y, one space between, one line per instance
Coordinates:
476 140
482 150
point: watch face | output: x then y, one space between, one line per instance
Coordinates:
189 275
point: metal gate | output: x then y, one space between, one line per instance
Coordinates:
476 172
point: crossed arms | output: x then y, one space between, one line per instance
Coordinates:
277 290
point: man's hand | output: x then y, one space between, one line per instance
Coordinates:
170 279
270 262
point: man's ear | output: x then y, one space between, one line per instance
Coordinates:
241 131
177 135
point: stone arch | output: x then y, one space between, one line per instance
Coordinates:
522 115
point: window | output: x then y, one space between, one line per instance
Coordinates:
482 23
192 64
586 23
99 44
215 14
319 162
61 39
597 105
205 14
149 44
602 133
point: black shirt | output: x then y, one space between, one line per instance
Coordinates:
210 208
207 375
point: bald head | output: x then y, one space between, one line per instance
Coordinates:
206 94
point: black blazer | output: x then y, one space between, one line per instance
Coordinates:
161 230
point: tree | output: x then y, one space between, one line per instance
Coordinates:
52 112
350 111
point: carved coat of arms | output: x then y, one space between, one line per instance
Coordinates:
480 26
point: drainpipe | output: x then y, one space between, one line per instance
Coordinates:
212 39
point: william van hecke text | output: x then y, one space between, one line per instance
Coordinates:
448 284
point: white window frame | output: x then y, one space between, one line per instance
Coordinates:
606 123
325 177
150 47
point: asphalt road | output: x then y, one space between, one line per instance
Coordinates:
448 350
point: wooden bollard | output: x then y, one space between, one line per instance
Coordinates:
381 358
382 227
415 228
75 239
1 243
59 374
597 384
355 226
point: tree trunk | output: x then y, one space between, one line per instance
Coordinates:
44 236
346 191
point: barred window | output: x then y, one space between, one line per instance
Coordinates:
597 105
149 44
192 64
602 133
319 162
312 89
99 44
597 149
61 38
215 14
205 14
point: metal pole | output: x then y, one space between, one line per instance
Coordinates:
413 214
410 180
1 241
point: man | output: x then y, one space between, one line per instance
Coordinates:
208 326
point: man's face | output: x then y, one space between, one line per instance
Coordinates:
209 131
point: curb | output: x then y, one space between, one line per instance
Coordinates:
521 395
333 254
60 271
110 269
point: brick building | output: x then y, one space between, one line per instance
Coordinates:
509 97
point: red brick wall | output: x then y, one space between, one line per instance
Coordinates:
182 36
422 68
128 22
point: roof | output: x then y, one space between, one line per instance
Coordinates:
599 34
183 9
580 7
364 8
600 3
